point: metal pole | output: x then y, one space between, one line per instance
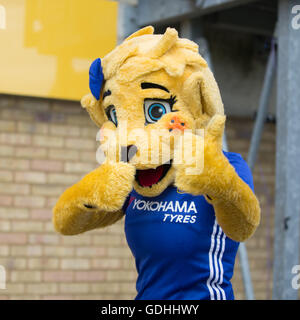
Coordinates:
287 204
263 107
254 145
243 256
127 20
246 274
186 29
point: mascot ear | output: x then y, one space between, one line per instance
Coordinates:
91 102
96 78
202 95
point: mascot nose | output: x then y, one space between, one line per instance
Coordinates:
128 152
176 123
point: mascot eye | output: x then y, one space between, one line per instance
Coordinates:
155 109
112 114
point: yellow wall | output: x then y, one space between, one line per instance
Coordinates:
46 47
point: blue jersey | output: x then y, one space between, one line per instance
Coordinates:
181 252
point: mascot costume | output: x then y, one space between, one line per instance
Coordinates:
183 226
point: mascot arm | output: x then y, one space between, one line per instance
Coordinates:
236 206
96 200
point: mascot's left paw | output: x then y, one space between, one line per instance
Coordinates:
200 173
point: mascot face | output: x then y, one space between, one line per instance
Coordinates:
155 87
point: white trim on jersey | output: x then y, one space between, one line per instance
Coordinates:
211 268
215 264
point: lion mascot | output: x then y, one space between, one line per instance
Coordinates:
187 203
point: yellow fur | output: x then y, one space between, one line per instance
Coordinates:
237 209
103 190
93 108
146 30
175 64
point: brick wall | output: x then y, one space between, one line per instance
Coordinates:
45 146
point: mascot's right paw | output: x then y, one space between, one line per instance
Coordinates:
100 193
105 188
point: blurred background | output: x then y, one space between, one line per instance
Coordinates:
48 142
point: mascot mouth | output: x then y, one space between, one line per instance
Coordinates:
150 177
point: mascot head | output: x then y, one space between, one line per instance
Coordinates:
143 92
